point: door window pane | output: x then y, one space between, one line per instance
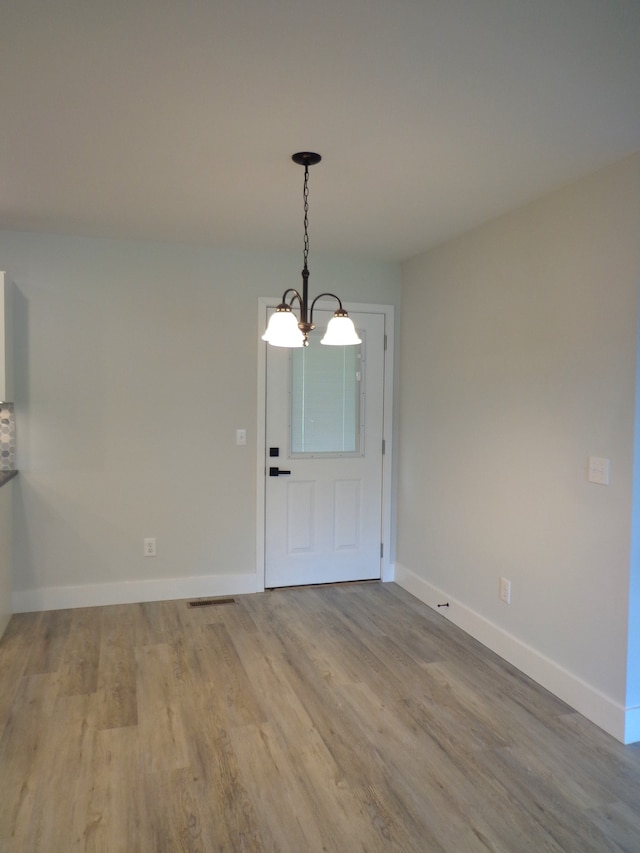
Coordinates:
325 399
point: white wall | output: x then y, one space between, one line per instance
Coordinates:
518 361
136 362
6 518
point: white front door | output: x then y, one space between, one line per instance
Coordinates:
324 431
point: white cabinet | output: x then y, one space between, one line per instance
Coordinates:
6 348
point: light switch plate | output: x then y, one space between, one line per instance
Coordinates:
599 470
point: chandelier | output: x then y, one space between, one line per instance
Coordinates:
285 329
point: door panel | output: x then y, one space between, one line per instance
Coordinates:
300 516
324 413
347 515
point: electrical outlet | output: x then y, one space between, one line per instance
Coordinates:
505 590
150 547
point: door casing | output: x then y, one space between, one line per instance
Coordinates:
387 567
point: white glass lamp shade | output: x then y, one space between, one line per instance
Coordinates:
282 330
340 332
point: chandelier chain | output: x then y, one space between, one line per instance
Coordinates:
305 195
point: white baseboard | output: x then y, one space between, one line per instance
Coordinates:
134 592
623 723
131 592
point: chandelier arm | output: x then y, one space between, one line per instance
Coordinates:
319 296
296 295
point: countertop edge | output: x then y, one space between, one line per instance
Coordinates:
5 476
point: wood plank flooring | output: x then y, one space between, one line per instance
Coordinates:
342 718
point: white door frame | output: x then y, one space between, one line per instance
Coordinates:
264 302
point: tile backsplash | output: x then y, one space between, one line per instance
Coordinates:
7 437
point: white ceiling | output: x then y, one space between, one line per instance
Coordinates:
176 119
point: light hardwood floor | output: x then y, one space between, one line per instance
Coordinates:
347 718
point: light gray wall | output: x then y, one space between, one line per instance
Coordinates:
518 361
6 519
136 364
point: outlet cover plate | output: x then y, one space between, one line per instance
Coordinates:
505 590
